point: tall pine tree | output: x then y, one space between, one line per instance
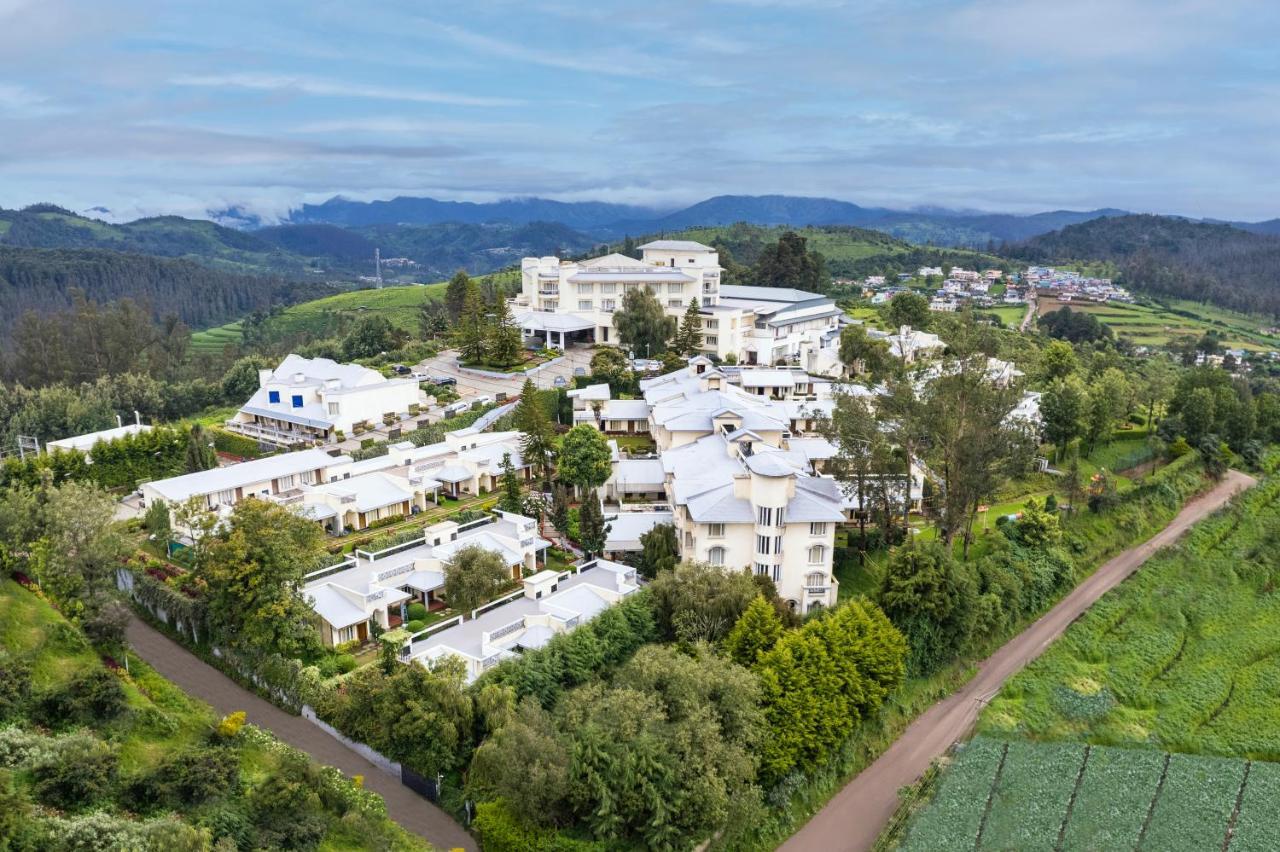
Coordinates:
688 340
470 336
504 336
537 438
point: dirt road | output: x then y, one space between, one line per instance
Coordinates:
199 679
854 818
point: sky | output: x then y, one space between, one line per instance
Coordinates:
1012 105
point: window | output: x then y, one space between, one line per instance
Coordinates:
675 288
584 304
817 529
607 305
712 340
815 579
333 407
688 539
711 324
777 544
777 573
675 303
761 568
716 556
273 396
715 530
762 545
284 483
584 288
297 400
817 554
607 289
765 516
226 498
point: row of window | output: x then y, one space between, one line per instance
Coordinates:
609 288
815 528
274 396
610 305
817 553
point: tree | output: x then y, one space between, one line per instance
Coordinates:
470 328
860 353
929 597
560 509
157 521
1214 454
510 501
537 433
688 340
611 365
787 263
904 413
1199 415
370 336
240 381
1107 401
1057 361
643 325
695 601
433 319
1063 408
1072 483
755 633
78 548
585 459
252 568
504 336
472 576
593 532
907 309
200 454
1157 376
864 461
455 295
660 550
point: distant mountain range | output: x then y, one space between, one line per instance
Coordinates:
603 221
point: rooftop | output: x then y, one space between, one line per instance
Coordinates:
675 245
179 488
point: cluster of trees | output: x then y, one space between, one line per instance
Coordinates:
1081 405
484 330
121 462
1209 405
1074 326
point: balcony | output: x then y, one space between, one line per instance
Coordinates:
544 290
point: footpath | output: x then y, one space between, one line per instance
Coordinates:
199 679
855 816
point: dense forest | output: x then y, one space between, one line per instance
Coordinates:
45 280
1166 256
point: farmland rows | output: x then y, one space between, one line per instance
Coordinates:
1068 796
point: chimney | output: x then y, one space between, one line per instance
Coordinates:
137 418
119 422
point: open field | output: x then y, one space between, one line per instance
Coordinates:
1183 657
1030 796
1155 325
398 304
1010 315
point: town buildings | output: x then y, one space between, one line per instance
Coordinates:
312 399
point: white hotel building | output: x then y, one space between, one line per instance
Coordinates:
564 302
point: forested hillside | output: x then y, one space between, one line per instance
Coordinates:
44 280
1166 256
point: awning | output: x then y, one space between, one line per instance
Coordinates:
544 321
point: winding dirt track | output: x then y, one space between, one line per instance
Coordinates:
854 818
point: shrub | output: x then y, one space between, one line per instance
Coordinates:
192 776
15 686
346 663
105 626
416 625
417 612
77 772
500 831
230 725
88 697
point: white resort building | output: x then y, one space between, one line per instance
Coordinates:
311 399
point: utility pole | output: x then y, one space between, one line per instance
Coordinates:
377 266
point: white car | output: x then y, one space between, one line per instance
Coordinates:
484 399
457 407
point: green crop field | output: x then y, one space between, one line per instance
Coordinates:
1022 795
1182 657
1154 325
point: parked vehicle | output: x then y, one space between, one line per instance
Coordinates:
579 371
457 407
443 381
484 399
400 369
560 382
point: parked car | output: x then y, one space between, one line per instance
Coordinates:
400 369
560 382
483 399
579 371
443 381
457 407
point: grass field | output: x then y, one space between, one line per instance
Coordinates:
1010 315
1043 796
1154 325
400 305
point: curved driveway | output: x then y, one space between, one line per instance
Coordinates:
854 818
203 681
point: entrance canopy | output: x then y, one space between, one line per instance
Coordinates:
554 328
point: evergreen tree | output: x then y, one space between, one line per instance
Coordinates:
504 336
787 263
433 319
907 309
560 508
585 460
200 454
757 631
455 295
592 530
1063 408
643 324
470 334
688 340
537 440
660 550
511 500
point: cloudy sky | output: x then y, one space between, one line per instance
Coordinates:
1021 105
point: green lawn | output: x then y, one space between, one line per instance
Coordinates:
1153 325
1010 315
634 444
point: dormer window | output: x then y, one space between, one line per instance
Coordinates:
273 396
297 400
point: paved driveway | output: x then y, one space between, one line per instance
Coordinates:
472 384
199 679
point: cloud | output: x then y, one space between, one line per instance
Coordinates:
333 88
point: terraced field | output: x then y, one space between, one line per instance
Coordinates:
1048 796
1149 325
214 339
